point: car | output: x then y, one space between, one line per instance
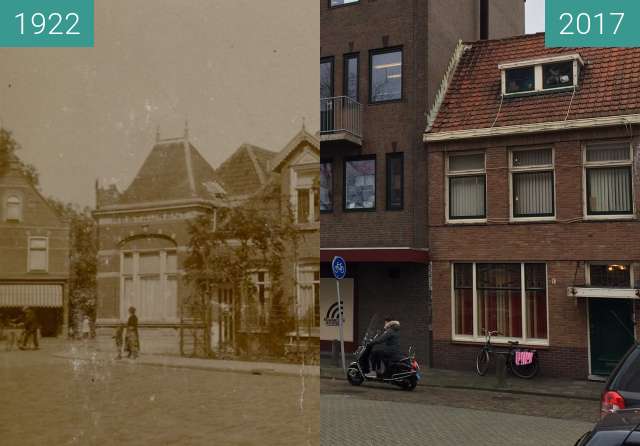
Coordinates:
622 389
620 428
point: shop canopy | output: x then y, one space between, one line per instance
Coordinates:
603 293
31 295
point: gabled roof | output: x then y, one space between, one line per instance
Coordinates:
609 85
173 170
302 138
246 171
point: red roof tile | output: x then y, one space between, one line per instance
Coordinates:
609 85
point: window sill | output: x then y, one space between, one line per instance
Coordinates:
500 342
532 220
538 92
388 101
470 221
359 210
623 217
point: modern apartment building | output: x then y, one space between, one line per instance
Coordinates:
381 65
533 204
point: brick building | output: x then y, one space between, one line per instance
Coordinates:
34 254
533 201
143 239
381 64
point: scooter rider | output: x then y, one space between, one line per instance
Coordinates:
386 346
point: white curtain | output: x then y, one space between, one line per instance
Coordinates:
610 189
467 196
533 193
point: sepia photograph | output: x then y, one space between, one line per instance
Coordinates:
160 227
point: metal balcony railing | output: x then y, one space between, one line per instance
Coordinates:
340 114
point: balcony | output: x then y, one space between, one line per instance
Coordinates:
341 120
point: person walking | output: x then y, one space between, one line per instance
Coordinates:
132 339
30 329
86 328
118 336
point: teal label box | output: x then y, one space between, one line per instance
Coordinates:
594 23
46 23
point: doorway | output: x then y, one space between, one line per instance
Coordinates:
611 333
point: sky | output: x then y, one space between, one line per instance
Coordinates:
238 71
534 16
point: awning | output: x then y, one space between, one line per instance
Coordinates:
603 293
376 254
32 295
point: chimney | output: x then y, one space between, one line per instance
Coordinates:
484 19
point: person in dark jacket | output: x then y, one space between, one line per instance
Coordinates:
386 346
30 329
132 340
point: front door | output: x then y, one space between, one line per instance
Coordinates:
222 321
611 333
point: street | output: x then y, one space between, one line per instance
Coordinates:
48 400
375 414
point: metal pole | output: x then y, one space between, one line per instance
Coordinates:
344 364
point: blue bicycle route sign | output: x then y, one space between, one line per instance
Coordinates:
339 267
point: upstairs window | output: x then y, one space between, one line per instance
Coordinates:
608 172
532 183
351 70
385 78
540 75
467 179
326 186
395 181
13 209
38 254
307 201
360 184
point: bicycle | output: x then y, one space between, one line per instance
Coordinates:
522 362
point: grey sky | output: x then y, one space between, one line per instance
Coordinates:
534 16
241 70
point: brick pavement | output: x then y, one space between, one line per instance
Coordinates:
363 422
49 400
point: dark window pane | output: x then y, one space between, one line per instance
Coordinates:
609 190
535 279
351 77
610 276
386 76
555 75
326 79
395 181
326 187
463 284
360 184
520 80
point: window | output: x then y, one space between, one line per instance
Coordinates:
260 280
14 209
307 201
308 295
334 3
326 186
38 254
385 77
520 80
610 275
510 298
149 281
466 182
608 179
326 95
541 75
395 181
557 75
532 183
360 183
350 84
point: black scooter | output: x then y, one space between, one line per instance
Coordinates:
404 373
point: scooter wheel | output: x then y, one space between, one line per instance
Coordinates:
410 383
354 377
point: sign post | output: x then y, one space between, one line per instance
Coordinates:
339 268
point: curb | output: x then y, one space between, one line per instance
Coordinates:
207 367
488 389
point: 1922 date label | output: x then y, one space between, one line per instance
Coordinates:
46 23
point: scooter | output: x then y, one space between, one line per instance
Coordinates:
404 373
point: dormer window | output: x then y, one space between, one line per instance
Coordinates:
540 75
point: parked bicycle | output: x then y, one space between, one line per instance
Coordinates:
521 361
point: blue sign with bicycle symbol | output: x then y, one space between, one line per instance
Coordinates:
339 267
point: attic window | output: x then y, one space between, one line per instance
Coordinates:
540 75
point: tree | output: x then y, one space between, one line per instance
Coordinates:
227 249
8 148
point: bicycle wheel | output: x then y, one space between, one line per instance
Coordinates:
527 371
482 362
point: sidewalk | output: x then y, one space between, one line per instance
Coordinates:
87 352
455 379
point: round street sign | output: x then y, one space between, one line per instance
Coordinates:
339 267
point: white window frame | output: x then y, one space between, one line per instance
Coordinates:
18 197
462 173
537 66
619 163
135 276
540 168
629 263
479 337
306 267
253 274
46 256
314 193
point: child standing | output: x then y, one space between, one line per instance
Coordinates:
119 337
